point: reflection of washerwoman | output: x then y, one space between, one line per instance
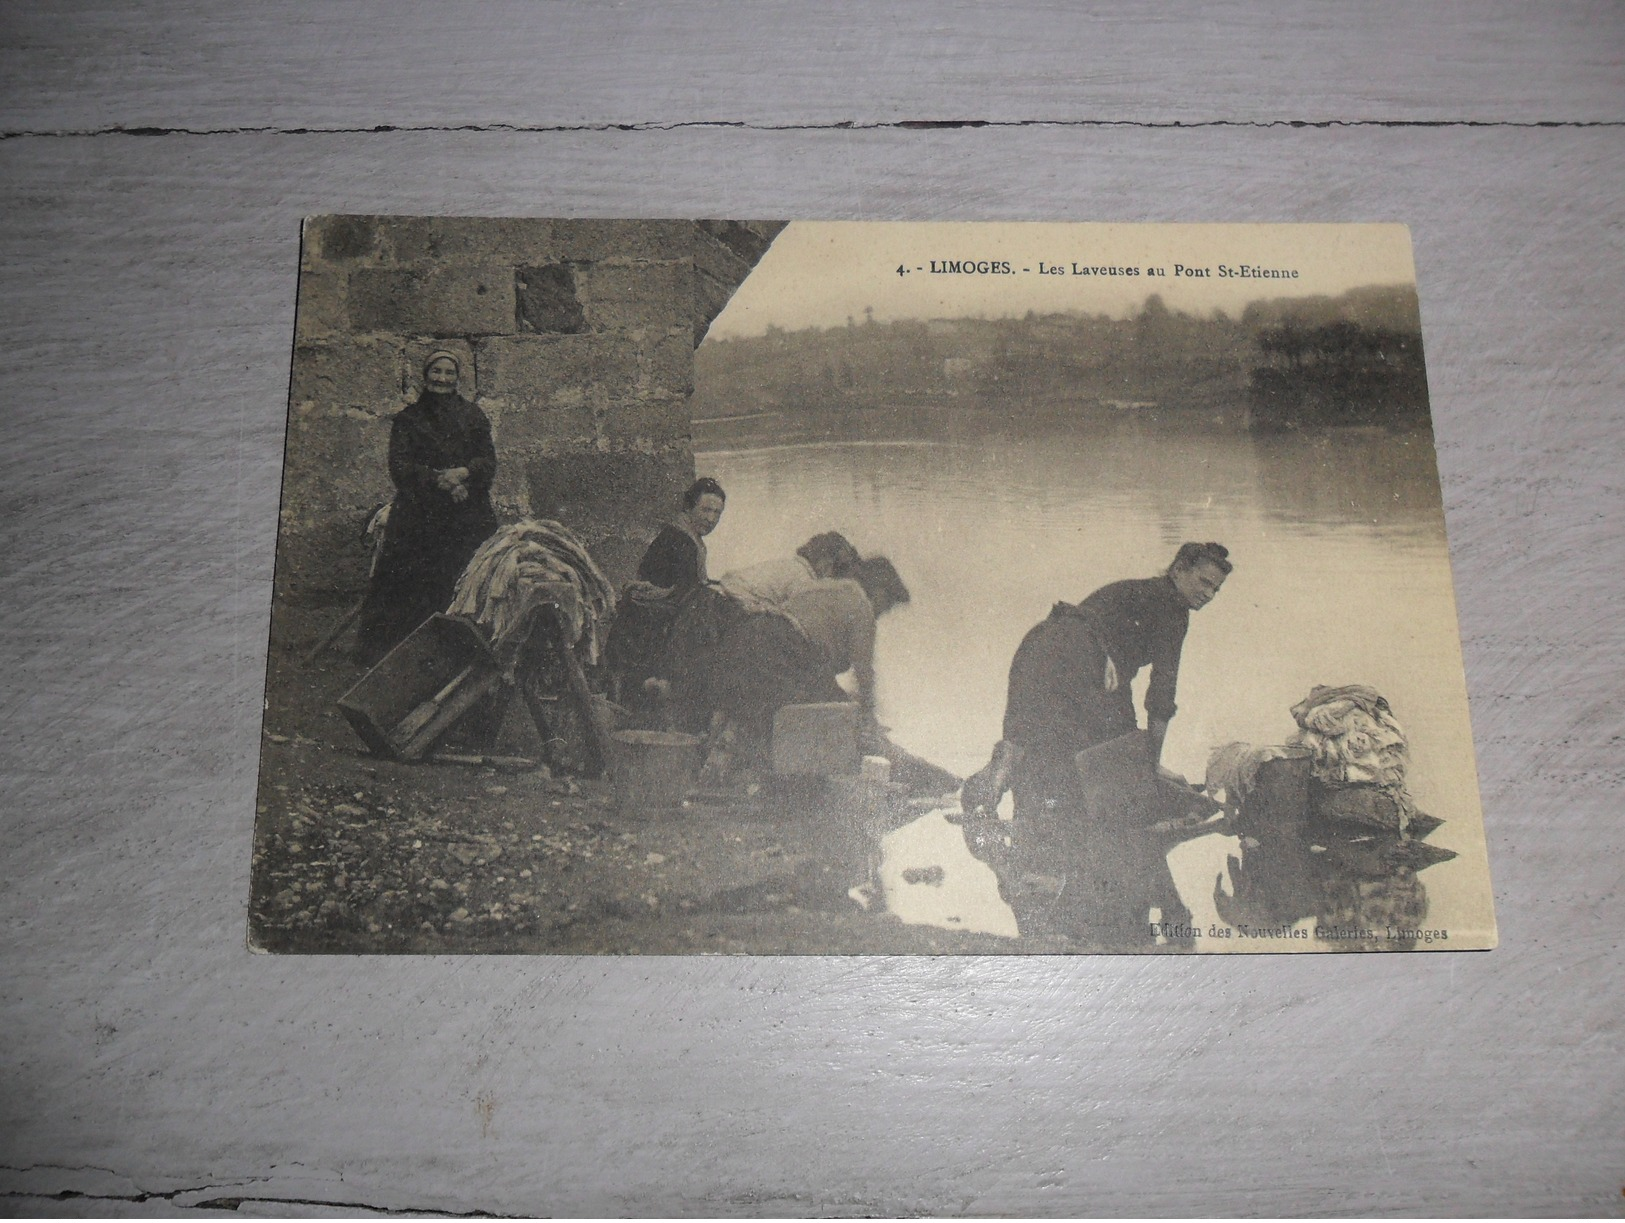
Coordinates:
442 461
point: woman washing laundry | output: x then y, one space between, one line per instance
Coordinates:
769 586
793 654
686 653
1070 690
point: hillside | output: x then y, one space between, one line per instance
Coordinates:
1282 356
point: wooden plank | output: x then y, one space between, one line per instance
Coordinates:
453 701
306 65
149 289
592 717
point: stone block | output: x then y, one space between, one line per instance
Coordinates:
342 239
466 240
711 297
592 241
324 557
666 362
618 551
365 374
527 426
724 254
449 300
720 263
551 371
547 299
656 418
510 494
321 311
659 407
745 240
603 492
336 461
626 296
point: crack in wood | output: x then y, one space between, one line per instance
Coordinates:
235 1202
225 1199
911 125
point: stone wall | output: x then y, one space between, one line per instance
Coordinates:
577 339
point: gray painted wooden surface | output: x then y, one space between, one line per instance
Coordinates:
789 64
148 287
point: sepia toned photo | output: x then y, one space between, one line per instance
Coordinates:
721 587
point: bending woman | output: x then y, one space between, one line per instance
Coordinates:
769 586
766 660
442 462
1070 690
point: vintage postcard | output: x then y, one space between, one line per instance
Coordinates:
652 587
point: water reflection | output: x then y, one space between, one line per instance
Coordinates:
929 878
1341 576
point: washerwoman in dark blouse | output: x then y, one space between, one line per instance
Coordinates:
672 574
442 462
675 560
1071 689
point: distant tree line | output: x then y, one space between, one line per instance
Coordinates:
1288 360
1341 370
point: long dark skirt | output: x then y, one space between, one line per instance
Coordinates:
672 639
416 577
759 663
636 648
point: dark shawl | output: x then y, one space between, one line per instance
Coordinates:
674 559
430 537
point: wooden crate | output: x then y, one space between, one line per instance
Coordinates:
421 687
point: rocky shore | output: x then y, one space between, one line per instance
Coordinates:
358 854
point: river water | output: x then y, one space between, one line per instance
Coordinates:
1341 576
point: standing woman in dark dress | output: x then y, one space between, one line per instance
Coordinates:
442 462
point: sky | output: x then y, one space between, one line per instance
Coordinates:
820 273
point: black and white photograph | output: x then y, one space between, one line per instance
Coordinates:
718 609
764 587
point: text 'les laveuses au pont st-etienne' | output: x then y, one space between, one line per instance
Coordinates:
1041 267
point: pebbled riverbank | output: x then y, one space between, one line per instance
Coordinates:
356 854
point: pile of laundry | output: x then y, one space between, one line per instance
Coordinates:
1356 750
1352 737
1232 769
500 588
